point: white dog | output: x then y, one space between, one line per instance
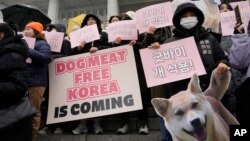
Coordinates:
192 115
210 10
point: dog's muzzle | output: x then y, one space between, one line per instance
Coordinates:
199 131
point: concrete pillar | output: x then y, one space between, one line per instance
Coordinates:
53 10
112 8
1 7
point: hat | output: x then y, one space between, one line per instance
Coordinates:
7 30
131 14
58 27
98 21
35 26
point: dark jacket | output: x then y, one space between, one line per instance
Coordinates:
66 45
13 73
102 43
41 57
240 54
209 48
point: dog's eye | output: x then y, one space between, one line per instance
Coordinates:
179 113
194 105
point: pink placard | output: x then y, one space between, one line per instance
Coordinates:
242 4
93 84
87 33
244 11
126 30
227 23
172 62
31 44
158 15
55 40
245 15
1 21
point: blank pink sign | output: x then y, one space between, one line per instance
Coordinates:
172 62
227 23
55 40
87 33
31 44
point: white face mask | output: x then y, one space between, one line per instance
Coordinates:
189 22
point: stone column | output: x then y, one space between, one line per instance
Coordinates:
53 10
1 7
112 8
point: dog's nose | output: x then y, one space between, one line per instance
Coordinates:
196 122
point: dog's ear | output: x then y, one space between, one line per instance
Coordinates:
194 85
160 105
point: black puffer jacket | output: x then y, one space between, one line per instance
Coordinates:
209 48
13 74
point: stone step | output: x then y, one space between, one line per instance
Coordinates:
132 136
113 122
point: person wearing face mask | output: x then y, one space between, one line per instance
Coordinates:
188 20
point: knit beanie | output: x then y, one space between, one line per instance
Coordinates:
35 26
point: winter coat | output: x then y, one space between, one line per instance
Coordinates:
38 69
240 54
13 73
209 48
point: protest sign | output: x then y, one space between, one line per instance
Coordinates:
126 30
227 23
55 40
158 15
87 33
91 85
172 62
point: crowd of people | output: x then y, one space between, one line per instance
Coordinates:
19 77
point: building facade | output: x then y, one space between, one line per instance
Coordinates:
60 11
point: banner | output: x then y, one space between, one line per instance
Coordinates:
172 62
126 30
227 23
92 85
87 33
55 40
158 15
